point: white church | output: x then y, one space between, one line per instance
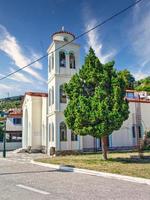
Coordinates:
44 125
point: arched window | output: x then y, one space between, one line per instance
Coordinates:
52 95
63 98
72 60
52 132
52 60
49 97
74 137
62 59
49 132
49 63
63 132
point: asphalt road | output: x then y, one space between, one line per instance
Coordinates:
20 180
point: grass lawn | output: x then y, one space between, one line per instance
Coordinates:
119 163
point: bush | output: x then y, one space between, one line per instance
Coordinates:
148 134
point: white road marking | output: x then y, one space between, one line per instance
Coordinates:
32 189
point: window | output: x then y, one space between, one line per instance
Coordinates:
49 132
17 121
52 60
49 63
72 60
133 131
49 97
74 137
130 95
52 95
140 133
52 132
63 132
62 59
63 98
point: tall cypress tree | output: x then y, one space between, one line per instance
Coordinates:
97 104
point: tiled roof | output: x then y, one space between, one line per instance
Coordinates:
138 100
37 94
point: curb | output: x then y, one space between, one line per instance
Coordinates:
94 173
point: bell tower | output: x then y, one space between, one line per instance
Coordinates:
63 62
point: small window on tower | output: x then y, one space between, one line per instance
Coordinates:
63 98
62 59
72 60
52 95
49 63
52 61
49 97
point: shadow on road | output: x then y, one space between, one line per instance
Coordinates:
26 172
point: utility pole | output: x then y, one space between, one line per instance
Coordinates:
3 120
4 141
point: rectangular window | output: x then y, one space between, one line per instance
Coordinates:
49 132
52 95
52 60
130 95
140 133
133 131
17 121
63 98
49 97
49 64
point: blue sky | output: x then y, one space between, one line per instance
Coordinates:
26 27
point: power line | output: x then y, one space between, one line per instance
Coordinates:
77 37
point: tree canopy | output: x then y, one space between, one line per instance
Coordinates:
97 104
143 84
128 78
6 105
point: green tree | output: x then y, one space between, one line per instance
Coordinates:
128 78
97 104
143 84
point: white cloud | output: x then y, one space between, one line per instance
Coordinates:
4 87
10 46
19 77
139 75
94 40
139 37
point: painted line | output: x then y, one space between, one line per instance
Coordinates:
32 189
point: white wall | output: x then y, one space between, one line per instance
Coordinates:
36 107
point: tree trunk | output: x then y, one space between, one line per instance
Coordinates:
104 147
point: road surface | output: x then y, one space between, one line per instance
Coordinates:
21 180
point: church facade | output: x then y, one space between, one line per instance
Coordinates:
43 119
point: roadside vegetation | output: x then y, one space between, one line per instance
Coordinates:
125 163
